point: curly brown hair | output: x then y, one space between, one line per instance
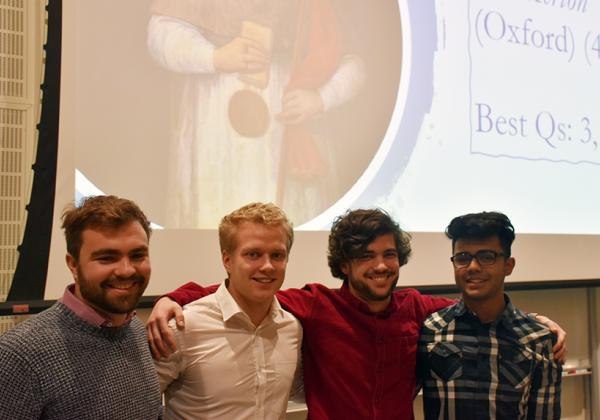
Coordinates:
352 233
100 212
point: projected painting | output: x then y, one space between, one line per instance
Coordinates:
220 103
426 109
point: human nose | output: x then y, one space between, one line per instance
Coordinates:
267 264
124 268
474 264
380 264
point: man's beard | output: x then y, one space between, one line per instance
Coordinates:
97 296
365 292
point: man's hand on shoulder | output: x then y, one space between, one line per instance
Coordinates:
160 336
560 348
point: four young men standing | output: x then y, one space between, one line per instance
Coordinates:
240 351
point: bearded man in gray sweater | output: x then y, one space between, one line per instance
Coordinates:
87 357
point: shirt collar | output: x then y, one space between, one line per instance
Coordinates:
86 312
507 316
230 308
362 306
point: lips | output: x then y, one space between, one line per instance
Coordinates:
263 280
475 280
380 278
123 284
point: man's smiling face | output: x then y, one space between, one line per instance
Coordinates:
373 275
112 270
482 283
256 266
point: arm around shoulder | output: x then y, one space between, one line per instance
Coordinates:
190 292
299 302
430 304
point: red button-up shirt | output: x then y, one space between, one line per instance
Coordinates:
357 364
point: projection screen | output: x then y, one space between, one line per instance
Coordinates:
428 110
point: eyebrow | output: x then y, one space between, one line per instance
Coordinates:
480 250
112 251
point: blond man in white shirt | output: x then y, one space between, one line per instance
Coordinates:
239 353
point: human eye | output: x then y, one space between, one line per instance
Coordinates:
105 258
392 253
462 258
252 254
139 255
278 255
365 256
486 257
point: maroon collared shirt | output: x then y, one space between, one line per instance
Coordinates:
357 364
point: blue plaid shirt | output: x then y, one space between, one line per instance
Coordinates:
501 370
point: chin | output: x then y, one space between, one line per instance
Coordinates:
381 296
477 295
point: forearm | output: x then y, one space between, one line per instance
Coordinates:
190 292
179 46
345 83
438 303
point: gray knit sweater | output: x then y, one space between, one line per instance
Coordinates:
57 366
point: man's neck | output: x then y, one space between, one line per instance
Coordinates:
257 312
116 320
486 310
377 306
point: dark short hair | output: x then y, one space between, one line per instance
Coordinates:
352 233
477 226
100 213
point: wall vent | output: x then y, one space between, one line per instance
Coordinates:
21 25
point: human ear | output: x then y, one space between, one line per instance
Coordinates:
72 265
226 259
345 267
509 266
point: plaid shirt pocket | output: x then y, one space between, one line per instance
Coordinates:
445 361
515 366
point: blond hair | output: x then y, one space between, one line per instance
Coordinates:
267 214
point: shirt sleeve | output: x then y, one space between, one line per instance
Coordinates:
430 304
299 302
169 369
422 360
21 397
345 83
190 292
544 396
297 391
179 46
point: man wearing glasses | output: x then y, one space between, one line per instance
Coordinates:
481 357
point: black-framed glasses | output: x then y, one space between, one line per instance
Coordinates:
483 257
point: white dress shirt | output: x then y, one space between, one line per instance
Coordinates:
225 367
